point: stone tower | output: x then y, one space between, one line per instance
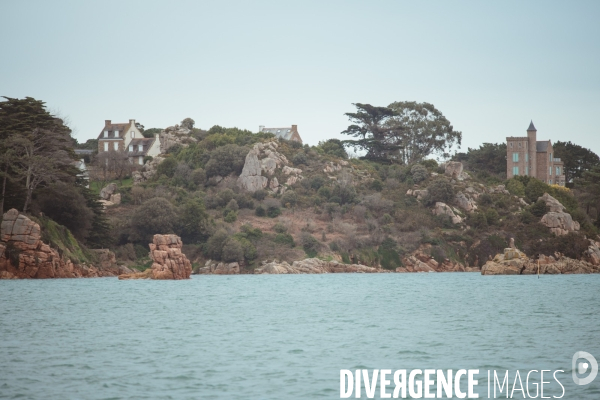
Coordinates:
532 149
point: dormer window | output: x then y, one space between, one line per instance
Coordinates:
116 133
105 133
130 147
132 134
140 147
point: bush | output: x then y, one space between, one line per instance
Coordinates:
230 216
260 211
214 245
285 239
478 219
485 199
431 165
377 185
232 205
324 192
198 176
155 216
289 199
535 189
439 190
492 216
225 160
248 249
316 182
299 159
539 208
333 147
252 234
345 193
419 173
192 221
516 187
310 245
232 251
279 228
273 212
260 194
244 201
167 167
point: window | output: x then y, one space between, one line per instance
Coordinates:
526 157
140 147
550 181
515 171
550 173
526 170
116 133
141 160
116 146
132 134
557 171
520 144
105 133
516 157
130 147
105 146
511 145
550 155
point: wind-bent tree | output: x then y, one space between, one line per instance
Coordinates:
577 160
420 130
369 126
489 157
589 187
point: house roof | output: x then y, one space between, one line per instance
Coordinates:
146 144
542 146
283 133
120 127
531 127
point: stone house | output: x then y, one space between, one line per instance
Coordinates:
128 138
287 133
526 155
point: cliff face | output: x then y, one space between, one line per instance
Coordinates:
24 255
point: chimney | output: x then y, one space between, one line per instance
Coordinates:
261 127
132 122
107 122
294 128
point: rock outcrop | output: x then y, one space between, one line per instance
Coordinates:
313 266
420 194
220 268
465 202
454 169
24 255
515 262
444 209
332 167
559 222
421 262
175 135
262 162
168 260
147 171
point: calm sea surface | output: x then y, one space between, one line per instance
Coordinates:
285 337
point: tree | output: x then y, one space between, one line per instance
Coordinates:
112 164
36 148
333 147
192 221
369 126
589 186
489 157
419 130
155 216
188 123
577 160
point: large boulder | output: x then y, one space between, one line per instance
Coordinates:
444 209
107 191
465 202
169 263
220 268
454 169
559 222
262 162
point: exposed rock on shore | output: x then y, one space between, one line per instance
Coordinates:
24 255
168 260
421 262
313 266
515 262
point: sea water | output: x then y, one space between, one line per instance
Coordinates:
286 337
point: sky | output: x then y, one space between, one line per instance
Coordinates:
489 67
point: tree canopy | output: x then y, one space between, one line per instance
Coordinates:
577 160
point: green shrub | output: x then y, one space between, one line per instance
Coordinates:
232 251
248 249
539 208
377 185
324 192
260 194
155 216
535 189
485 199
478 219
285 239
419 173
310 245
516 187
439 190
333 147
167 167
214 245
492 216
316 182
252 234
289 199
230 216
299 159
431 165
225 160
273 212
141 251
260 211
279 228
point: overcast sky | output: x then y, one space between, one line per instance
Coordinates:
489 67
